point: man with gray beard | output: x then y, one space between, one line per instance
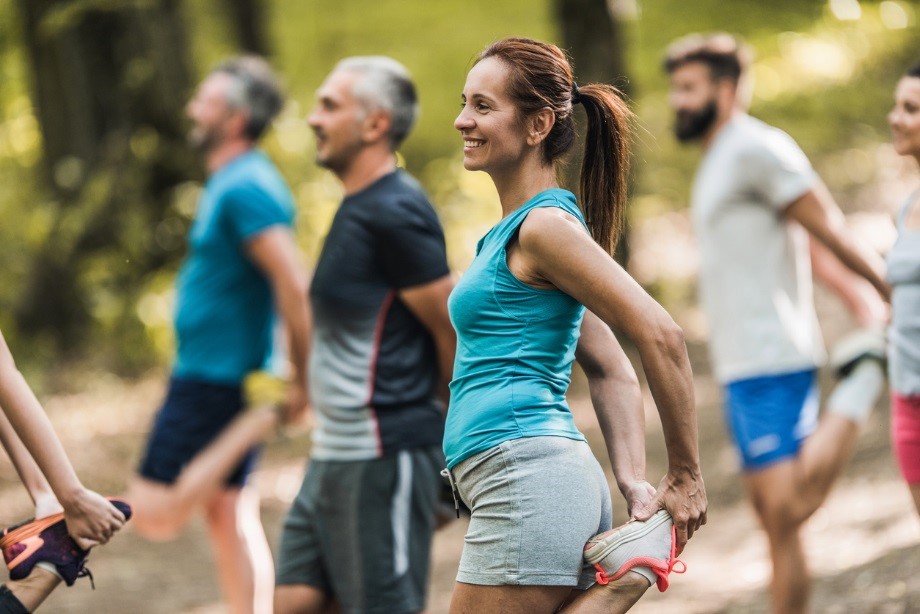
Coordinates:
242 266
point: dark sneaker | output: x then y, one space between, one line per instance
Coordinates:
650 544
46 539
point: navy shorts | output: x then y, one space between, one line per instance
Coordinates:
193 414
770 415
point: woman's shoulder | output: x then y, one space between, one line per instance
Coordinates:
552 205
548 223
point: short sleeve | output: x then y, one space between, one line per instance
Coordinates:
250 209
410 246
779 170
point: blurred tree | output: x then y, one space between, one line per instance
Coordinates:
593 37
109 83
248 20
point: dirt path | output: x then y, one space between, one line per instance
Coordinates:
864 544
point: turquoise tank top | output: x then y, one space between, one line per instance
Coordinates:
515 347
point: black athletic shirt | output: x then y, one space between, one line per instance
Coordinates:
373 366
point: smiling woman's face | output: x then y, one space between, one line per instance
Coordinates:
904 118
493 134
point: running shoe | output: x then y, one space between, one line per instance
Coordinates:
855 347
651 544
46 539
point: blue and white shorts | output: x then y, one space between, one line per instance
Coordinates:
769 416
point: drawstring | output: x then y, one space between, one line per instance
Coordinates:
445 473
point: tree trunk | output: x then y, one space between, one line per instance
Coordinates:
594 40
248 20
109 84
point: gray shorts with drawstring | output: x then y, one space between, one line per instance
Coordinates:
535 501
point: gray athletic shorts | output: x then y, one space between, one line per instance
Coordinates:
535 502
361 531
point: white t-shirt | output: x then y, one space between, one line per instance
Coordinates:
904 333
755 268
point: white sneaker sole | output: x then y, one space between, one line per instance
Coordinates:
630 532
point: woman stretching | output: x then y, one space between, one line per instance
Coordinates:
542 291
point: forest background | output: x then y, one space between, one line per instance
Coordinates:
99 189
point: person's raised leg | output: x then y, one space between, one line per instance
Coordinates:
613 598
788 481
244 561
29 592
161 510
805 479
479 599
156 518
815 469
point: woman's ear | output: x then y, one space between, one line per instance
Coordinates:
539 125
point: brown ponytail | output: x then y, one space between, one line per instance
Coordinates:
540 77
605 167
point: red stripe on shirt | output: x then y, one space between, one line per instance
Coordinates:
375 353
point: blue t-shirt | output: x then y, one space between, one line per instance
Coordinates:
515 347
224 306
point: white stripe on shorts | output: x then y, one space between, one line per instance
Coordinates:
400 512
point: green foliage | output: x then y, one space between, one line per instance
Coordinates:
24 214
435 40
828 82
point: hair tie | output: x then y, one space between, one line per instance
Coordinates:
576 94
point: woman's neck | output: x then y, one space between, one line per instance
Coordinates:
523 183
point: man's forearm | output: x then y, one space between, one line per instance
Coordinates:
292 303
863 261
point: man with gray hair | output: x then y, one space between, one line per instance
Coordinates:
242 266
358 536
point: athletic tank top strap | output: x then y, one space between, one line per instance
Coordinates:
905 209
507 227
